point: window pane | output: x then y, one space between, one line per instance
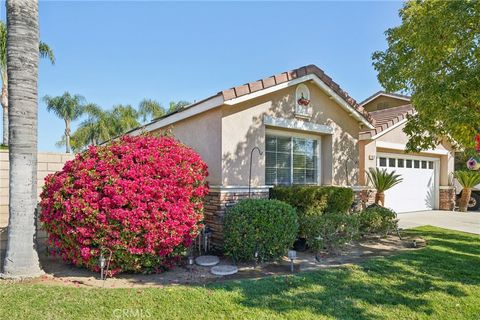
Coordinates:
290 160
299 176
283 176
400 163
283 160
271 144
430 164
270 159
310 176
283 144
311 162
298 145
391 162
416 164
270 176
424 164
409 163
383 162
298 161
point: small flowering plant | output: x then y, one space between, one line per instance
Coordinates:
141 197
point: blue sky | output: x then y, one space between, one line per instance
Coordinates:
122 52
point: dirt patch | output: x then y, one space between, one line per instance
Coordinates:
59 273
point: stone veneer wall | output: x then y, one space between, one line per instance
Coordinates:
217 202
48 162
447 198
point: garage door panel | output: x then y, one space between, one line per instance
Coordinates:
418 189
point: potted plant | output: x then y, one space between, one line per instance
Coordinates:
468 180
382 181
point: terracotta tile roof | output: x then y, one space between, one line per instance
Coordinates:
265 83
386 118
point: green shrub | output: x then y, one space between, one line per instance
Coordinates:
330 231
267 226
377 220
314 200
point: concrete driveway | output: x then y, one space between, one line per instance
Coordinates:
466 222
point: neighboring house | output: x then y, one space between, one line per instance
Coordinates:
310 132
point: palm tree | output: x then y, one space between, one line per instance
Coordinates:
176 106
68 108
382 181
92 131
124 118
468 180
150 109
22 68
45 52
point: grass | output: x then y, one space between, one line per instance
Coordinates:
441 281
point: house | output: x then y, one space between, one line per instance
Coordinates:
309 131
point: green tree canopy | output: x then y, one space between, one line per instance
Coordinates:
67 107
149 109
176 106
434 55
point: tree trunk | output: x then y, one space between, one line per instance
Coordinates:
4 102
22 67
67 135
464 199
380 198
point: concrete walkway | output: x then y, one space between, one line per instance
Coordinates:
467 222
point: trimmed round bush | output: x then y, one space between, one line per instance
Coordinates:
268 227
140 197
377 220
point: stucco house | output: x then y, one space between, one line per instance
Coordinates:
309 131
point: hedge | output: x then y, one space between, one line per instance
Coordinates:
318 199
268 227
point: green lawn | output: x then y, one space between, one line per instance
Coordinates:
441 281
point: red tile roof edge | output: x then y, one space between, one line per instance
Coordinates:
251 87
368 134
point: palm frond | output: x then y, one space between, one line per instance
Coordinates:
149 108
467 179
383 180
46 52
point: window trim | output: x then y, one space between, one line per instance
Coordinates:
292 135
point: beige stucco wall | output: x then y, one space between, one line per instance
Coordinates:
48 162
383 102
203 134
399 137
243 129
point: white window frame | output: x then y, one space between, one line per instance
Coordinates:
289 134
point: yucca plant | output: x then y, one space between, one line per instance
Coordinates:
468 180
382 181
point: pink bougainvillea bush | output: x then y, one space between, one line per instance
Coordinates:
141 197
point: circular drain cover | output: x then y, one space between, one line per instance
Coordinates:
224 270
207 261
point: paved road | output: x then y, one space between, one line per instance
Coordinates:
467 222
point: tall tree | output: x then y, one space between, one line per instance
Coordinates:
22 68
149 109
124 118
45 52
92 131
68 108
435 56
176 106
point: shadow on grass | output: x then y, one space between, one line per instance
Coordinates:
351 292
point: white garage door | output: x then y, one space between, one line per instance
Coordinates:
419 188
